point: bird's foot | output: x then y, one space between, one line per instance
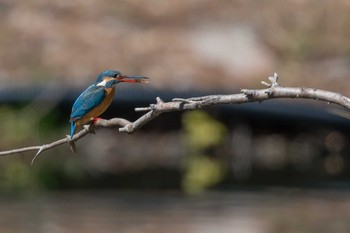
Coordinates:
95 120
90 128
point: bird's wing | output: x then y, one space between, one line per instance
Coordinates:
88 100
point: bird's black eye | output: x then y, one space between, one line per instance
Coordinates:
116 75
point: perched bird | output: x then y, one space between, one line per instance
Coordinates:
97 97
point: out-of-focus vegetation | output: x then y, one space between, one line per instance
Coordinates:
202 134
23 125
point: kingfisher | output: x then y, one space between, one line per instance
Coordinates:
97 97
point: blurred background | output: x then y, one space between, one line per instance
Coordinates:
277 166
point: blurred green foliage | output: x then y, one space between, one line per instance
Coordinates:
17 125
24 125
201 169
16 176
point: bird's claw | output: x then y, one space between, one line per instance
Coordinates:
90 128
95 120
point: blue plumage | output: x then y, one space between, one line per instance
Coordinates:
87 101
72 129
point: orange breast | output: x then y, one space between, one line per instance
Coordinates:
98 110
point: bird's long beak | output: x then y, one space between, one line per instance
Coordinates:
132 79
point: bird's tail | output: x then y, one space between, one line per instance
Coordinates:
72 129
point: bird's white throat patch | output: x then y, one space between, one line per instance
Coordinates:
103 83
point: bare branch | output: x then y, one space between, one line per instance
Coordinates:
273 91
115 122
